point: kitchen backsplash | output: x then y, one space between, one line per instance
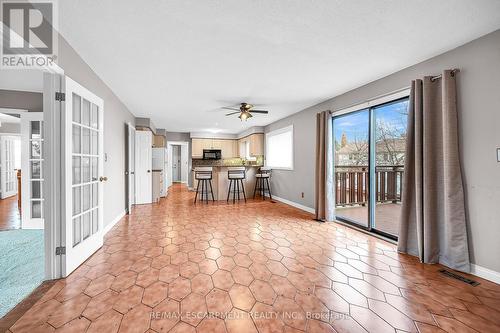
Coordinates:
259 161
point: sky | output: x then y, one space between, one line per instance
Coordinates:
355 125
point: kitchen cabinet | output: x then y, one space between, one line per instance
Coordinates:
252 145
158 141
227 147
197 148
256 144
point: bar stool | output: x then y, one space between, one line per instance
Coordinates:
236 175
204 177
261 180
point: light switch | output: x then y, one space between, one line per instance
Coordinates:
498 154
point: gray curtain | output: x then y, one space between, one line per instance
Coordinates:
433 224
324 195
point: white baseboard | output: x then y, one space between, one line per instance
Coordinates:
115 221
294 204
485 273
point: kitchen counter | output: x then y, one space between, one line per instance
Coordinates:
220 182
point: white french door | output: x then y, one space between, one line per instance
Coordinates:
7 170
143 166
131 167
84 177
31 170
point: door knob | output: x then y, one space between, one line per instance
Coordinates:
149 171
103 179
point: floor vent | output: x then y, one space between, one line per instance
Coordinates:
459 277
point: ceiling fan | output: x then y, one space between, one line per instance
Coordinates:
245 111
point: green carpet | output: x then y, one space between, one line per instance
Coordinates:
21 266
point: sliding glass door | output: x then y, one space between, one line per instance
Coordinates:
351 135
369 166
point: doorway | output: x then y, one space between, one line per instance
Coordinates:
177 163
369 156
23 255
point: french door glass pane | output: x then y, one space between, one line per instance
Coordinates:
77 139
86 197
77 232
85 141
94 168
36 149
36 130
86 113
95 221
94 194
77 200
36 209
95 115
36 189
85 169
77 171
390 124
35 169
77 108
86 225
351 136
94 149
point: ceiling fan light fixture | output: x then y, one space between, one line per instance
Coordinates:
245 115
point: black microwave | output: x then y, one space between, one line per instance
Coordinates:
212 154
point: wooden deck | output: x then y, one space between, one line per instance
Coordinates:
386 216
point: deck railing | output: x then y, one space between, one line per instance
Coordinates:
351 183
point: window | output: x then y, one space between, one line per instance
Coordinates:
279 148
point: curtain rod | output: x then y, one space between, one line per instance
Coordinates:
453 72
433 78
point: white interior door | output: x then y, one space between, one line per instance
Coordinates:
31 170
131 166
7 169
83 174
143 167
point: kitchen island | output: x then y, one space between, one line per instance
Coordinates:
220 182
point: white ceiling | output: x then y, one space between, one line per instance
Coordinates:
177 62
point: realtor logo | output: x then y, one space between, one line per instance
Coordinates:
29 36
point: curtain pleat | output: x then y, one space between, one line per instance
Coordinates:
324 193
433 220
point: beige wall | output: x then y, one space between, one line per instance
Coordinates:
479 122
116 116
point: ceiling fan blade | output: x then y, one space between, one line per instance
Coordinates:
231 113
228 108
258 111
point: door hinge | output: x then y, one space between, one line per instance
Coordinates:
60 96
60 250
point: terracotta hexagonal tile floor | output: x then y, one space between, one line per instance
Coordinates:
254 267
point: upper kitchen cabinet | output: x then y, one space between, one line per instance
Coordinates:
256 144
252 145
197 146
228 147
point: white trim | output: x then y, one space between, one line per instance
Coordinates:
294 204
117 219
405 92
279 131
485 273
